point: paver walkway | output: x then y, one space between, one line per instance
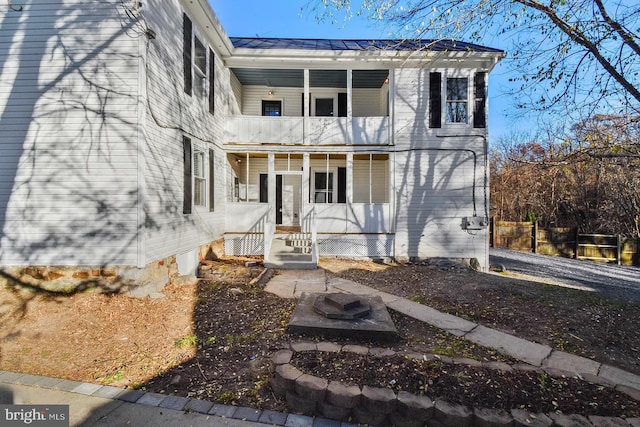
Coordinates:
292 283
96 405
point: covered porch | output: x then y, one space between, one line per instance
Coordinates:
318 204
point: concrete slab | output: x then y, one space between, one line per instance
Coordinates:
448 322
337 284
524 350
377 325
292 283
571 363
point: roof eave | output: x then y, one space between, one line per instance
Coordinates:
202 13
280 58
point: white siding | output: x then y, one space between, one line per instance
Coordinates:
170 115
291 98
68 135
434 181
368 103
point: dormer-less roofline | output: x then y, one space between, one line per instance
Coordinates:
240 51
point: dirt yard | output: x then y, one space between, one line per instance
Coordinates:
213 340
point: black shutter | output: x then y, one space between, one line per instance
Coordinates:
435 100
212 180
212 69
342 105
186 150
480 100
342 185
264 188
186 53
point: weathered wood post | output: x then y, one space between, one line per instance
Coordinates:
619 249
576 243
535 237
493 232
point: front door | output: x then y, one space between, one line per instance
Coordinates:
288 199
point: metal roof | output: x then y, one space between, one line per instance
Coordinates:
358 45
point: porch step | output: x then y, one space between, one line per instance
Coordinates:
290 253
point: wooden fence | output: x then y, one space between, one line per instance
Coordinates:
565 242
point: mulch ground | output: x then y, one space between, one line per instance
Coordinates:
214 340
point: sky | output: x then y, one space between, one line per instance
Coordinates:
285 18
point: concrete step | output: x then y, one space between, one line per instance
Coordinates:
291 265
285 255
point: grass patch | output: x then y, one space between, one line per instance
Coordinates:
186 341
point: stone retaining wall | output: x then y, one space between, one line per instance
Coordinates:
308 394
137 282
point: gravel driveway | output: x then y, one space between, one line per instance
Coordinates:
613 281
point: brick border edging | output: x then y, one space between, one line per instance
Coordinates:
379 406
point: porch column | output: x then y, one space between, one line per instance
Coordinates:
349 178
305 109
305 181
271 186
349 107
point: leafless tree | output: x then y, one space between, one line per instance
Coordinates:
587 177
579 56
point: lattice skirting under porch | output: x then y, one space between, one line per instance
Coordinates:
351 245
372 246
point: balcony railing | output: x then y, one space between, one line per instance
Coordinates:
318 131
261 130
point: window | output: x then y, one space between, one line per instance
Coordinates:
272 108
199 178
457 100
194 65
323 187
371 178
197 171
324 107
200 67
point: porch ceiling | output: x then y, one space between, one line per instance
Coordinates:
362 79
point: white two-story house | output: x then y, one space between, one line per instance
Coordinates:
131 132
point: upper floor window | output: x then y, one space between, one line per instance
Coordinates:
457 96
199 66
272 108
197 77
459 107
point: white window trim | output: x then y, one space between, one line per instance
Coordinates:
334 97
273 99
202 93
334 171
197 148
446 100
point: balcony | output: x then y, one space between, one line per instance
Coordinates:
309 107
314 131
